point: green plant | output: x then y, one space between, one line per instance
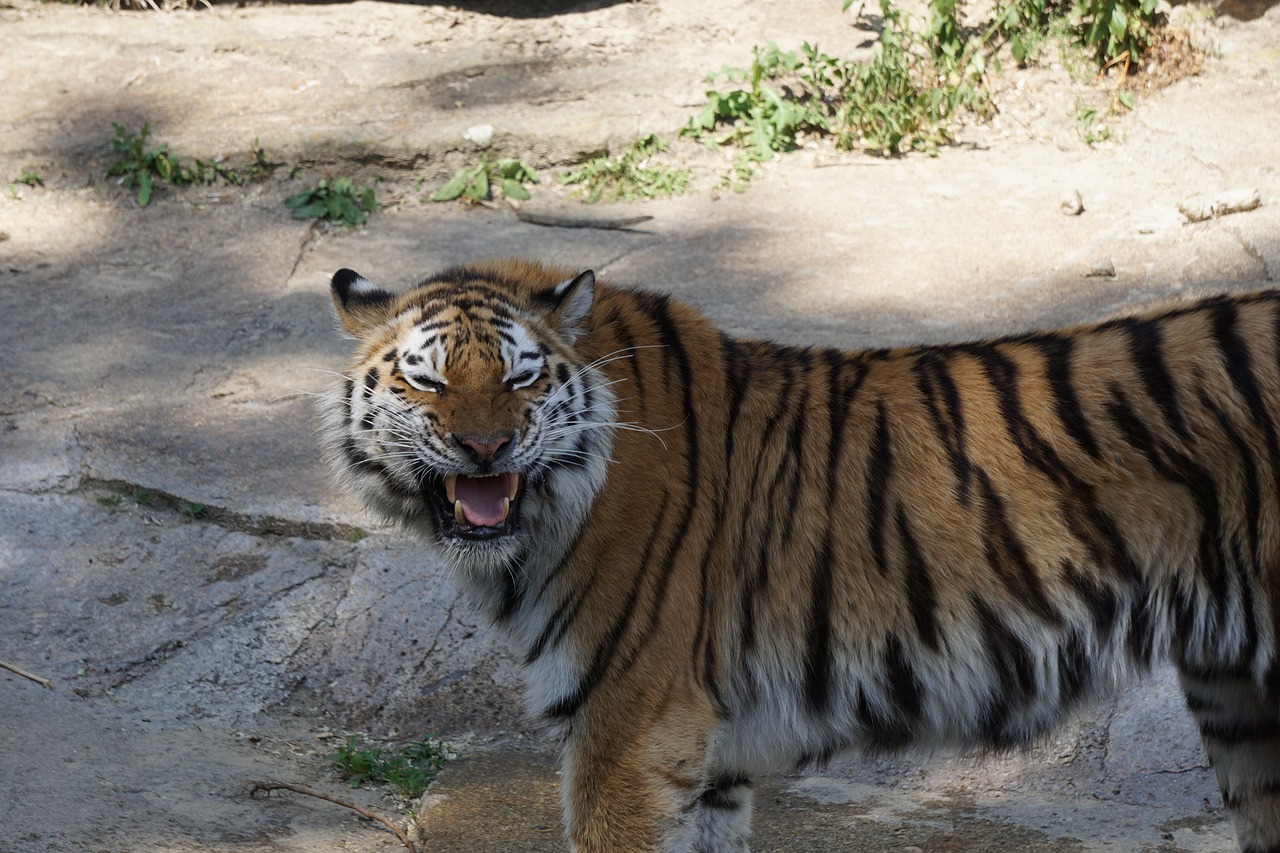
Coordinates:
337 200
629 176
31 178
739 175
356 535
190 509
904 97
762 118
111 500
1117 31
475 184
259 167
139 165
1111 31
1090 129
409 770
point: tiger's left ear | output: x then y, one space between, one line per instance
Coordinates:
360 304
574 298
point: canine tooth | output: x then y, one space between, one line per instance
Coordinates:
458 514
513 486
506 507
450 485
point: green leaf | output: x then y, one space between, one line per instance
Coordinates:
513 189
454 187
310 211
144 189
479 189
1119 24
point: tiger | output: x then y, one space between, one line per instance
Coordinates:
717 557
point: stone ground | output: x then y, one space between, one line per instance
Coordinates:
172 556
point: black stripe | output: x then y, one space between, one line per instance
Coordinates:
1240 731
894 729
1266 790
1239 368
757 574
1243 560
1142 615
1014 670
1102 602
840 397
818 666
723 792
565 614
797 437
921 597
905 690
1075 669
1007 556
942 399
512 580
1177 467
1058 352
1146 347
738 376
670 334
607 650
627 345
1002 373
704 645
880 465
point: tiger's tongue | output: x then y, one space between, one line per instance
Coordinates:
481 499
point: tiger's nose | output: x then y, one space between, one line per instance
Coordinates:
486 449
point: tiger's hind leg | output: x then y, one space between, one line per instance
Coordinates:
724 816
1241 735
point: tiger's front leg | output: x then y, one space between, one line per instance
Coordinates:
634 781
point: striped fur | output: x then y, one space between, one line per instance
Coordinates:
732 556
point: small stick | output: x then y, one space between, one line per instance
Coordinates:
268 787
37 679
556 221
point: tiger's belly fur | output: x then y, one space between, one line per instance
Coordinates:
726 557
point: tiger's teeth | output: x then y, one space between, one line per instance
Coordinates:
506 508
450 486
458 514
513 486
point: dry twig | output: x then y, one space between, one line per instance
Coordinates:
268 787
37 679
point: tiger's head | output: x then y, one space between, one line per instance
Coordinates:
467 413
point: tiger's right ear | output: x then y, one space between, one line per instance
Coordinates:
360 304
574 298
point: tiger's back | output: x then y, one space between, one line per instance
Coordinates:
798 551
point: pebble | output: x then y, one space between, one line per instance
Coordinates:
1101 268
1071 204
480 134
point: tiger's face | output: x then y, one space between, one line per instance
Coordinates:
467 412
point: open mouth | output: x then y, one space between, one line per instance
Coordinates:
482 507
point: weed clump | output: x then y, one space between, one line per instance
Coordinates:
339 201
476 184
139 165
409 770
631 175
